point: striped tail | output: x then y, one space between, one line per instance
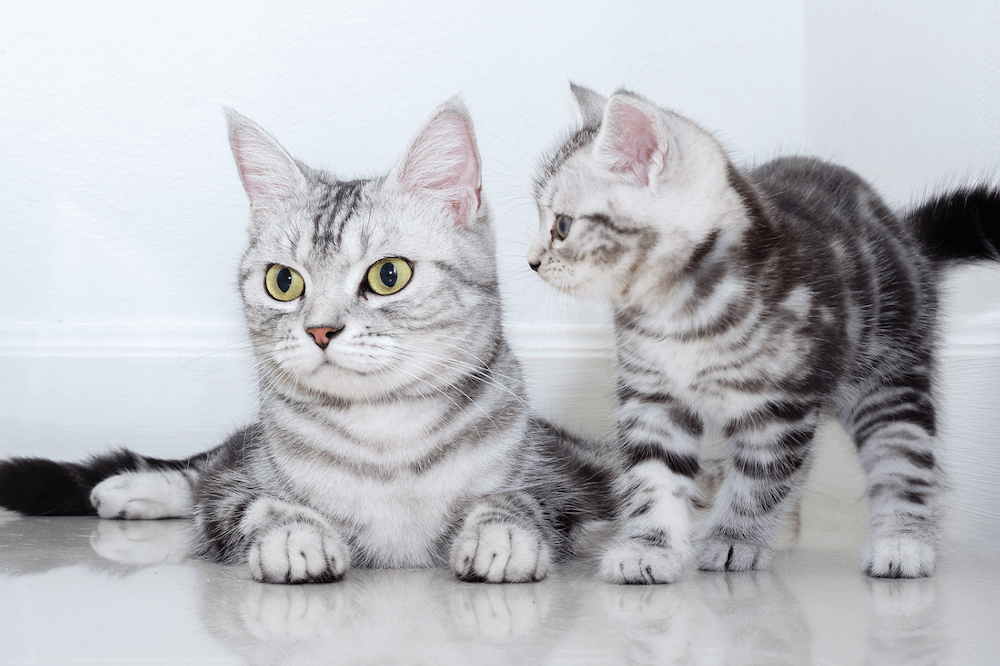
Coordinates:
963 225
40 487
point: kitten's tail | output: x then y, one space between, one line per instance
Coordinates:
963 225
40 487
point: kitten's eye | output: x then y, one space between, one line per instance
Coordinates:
284 283
387 276
561 228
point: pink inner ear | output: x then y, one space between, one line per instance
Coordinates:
267 172
443 162
632 143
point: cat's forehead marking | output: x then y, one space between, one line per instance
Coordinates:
333 212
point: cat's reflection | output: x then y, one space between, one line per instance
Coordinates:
426 616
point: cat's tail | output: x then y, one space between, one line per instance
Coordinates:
41 487
961 226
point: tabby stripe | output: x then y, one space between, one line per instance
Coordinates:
637 453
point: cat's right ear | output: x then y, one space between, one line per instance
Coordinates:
443 163
268 172
587 104
633 140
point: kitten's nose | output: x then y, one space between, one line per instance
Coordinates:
534 265
323 334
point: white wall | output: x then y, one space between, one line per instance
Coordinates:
122 217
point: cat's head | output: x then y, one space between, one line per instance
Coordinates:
628 199
365 289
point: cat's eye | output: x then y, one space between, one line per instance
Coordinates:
387 276
561 227
284 283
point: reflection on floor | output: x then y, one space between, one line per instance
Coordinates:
82 591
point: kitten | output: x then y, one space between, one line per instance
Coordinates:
758 302
393 429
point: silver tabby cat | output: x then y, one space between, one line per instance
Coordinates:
757 302
392 429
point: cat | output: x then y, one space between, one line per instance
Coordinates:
756 302
393 428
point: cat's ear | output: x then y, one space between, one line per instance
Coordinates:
588 105
632 141
443 163
269 174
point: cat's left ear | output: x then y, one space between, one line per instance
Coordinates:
587 104
443 163
632 141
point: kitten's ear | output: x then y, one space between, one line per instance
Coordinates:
588 105
632 141
269 174
443 163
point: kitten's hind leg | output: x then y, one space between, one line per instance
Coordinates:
502 540
770 452
893 427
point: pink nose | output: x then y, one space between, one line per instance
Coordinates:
323 335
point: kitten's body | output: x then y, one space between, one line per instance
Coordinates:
758 302
393 429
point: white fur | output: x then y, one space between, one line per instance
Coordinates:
144 495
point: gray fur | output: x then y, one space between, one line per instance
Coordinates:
404 439
760 302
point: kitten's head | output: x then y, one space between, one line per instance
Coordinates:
364 289
627 199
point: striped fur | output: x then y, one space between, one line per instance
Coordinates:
759 302
393 429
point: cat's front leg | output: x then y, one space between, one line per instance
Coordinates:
282 542
502 540
293 544
660 442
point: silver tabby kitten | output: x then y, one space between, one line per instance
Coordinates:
758 302
393 429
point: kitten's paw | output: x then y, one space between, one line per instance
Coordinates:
144 496
722 553
897 557
500 553
643 561
299 552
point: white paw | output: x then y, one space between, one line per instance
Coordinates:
299 552
897 557
644 561
500 553
144 496
720 553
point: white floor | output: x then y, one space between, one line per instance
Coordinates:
84 591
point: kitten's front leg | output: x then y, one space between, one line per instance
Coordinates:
502 540
661 442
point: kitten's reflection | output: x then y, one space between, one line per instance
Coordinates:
905 627
426 616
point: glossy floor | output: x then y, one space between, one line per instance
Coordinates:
84 591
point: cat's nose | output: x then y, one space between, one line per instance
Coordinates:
534 265
323 334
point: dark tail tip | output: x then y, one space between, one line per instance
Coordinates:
963 225
39 487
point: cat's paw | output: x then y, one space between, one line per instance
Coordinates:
500 552
144 496
643 561
897 557
722 553
299 552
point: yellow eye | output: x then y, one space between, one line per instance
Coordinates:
387 276
284 283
